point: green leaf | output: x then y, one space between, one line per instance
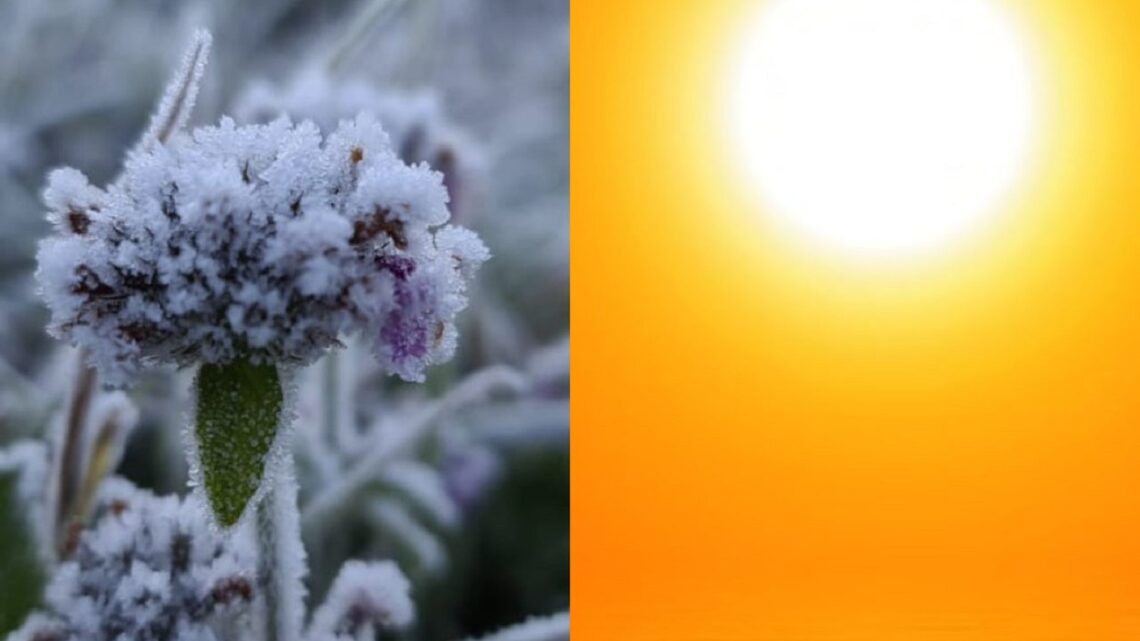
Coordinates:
239 410
21 578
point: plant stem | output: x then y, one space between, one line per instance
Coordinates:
70 460
267 553
282 562
331 401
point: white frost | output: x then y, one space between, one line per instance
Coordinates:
364 596
150 569
264 241
178 99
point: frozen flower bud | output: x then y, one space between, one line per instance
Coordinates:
363 598
149 569
263 242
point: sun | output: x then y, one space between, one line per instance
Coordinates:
883 126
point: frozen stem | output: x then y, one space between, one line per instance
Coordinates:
68 471
281 562
178 100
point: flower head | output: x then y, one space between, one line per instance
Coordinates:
265 242
149 569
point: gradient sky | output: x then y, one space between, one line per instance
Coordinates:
771 441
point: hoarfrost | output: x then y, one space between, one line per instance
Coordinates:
149 569
283 566
363 597
178 101
267 242
420 130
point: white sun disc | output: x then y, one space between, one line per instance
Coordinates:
883 126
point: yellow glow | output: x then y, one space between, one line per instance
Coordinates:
940 446
883 126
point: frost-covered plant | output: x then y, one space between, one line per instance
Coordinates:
510 176
246 248
420 131
376 467
251 250
413 459
59 481
149 570
262 242
365 597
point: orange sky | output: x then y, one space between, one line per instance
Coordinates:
773 442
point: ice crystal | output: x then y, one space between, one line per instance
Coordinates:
265 242
415 120
174 110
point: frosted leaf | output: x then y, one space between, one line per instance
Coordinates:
364 596
110 419
239 411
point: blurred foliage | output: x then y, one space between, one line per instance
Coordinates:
513 560
21 580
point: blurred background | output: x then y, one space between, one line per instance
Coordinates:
477 509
